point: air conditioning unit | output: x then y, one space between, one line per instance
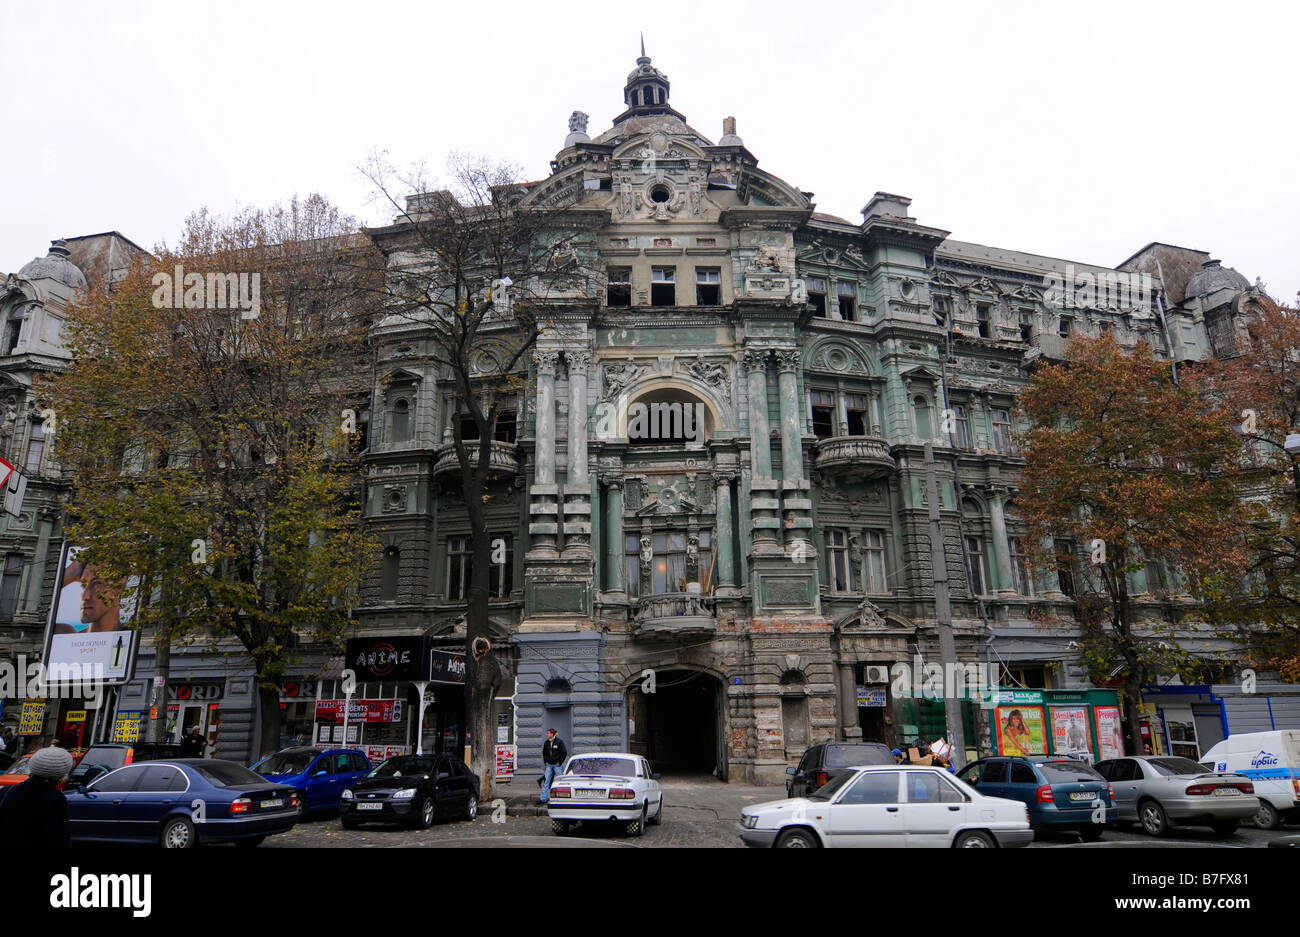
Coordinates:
876 673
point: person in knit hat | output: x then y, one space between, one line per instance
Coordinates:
35 812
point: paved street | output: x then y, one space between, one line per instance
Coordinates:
697 813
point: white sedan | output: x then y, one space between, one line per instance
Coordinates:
884 806
606 786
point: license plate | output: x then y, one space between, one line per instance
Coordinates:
273 802
1083 795
1226 792
370 806
590 793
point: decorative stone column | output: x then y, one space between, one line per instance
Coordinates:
577 486
848 701
543 527
614 542
725 552
796 503
764 499
1001 549
841 410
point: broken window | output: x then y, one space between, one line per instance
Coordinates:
708 286
505 428
855 406
823 413
817 296
982 320
848 297
1064 328
663 288
1027 327
619 290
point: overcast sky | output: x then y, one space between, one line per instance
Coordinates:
1082 131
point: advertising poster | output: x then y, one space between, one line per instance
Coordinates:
1021 730
31 717
89 631
1070 732
1109 732
506 761
127 725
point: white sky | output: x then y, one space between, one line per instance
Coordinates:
1081 132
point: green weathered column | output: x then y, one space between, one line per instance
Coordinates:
791 445
614 545
760 434
1001 549
725 552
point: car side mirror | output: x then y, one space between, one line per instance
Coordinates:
319 774
442 776
81 788
656 775
791 771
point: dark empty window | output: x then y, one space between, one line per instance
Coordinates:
1027 327
1065 566
975 565
460 566
1064 328
619 290
663 289
982 320
660 194
9 586
708 287
856 413
823 413
392 563
505 428
837 561
848 298
12 331
817 296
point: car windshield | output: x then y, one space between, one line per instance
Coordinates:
403 768
285 763
24 765
1058 772
1171 767
827 790
228 775
844 756
613 767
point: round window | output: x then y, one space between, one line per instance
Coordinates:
660 193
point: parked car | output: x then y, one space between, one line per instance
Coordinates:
1272 762
894 806
827 760
415 789
320 776
1060 794
101 759
606 786
1160 790
181 803
18 773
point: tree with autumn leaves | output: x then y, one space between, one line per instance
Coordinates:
1130 467
204 436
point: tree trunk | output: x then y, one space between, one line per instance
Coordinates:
162 668
269 734
1132 712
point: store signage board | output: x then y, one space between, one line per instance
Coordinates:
446 667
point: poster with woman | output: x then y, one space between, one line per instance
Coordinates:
1021 730
89 631
1109 734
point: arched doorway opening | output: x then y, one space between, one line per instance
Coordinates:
676 722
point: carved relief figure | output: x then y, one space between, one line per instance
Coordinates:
619 376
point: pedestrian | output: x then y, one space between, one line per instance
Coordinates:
192 745
35 812
10 742
553 755
898 756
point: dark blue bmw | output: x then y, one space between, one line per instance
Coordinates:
181 803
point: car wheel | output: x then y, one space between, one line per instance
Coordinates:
349 824
471 808
974 839
559 827
178 833
1091 834
659 814
251 842
1266 818
302 805
1153 818
797 839
424 813
1224 827
637 827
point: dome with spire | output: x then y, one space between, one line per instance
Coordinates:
55 266
1213 276
646 90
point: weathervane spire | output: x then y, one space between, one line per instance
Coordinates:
643 45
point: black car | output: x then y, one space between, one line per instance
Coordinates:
413 789
828 759
101 759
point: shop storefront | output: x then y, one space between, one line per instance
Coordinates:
1080 724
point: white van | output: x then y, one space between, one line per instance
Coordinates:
1272 761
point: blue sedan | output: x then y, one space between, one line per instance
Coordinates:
320 776
181 803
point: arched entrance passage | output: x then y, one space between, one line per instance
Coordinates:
677 722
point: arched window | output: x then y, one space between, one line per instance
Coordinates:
392 565
401 420
668 417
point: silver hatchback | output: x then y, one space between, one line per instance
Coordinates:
1159 791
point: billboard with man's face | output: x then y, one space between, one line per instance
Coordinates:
88 631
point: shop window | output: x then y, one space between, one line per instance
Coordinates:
837 561
392 565
708 287
823 413
855 408
817 296
983 321
663 288
619 290
848 301
975 572
9 586
1020 567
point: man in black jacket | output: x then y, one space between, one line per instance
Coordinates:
553 755
35 812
